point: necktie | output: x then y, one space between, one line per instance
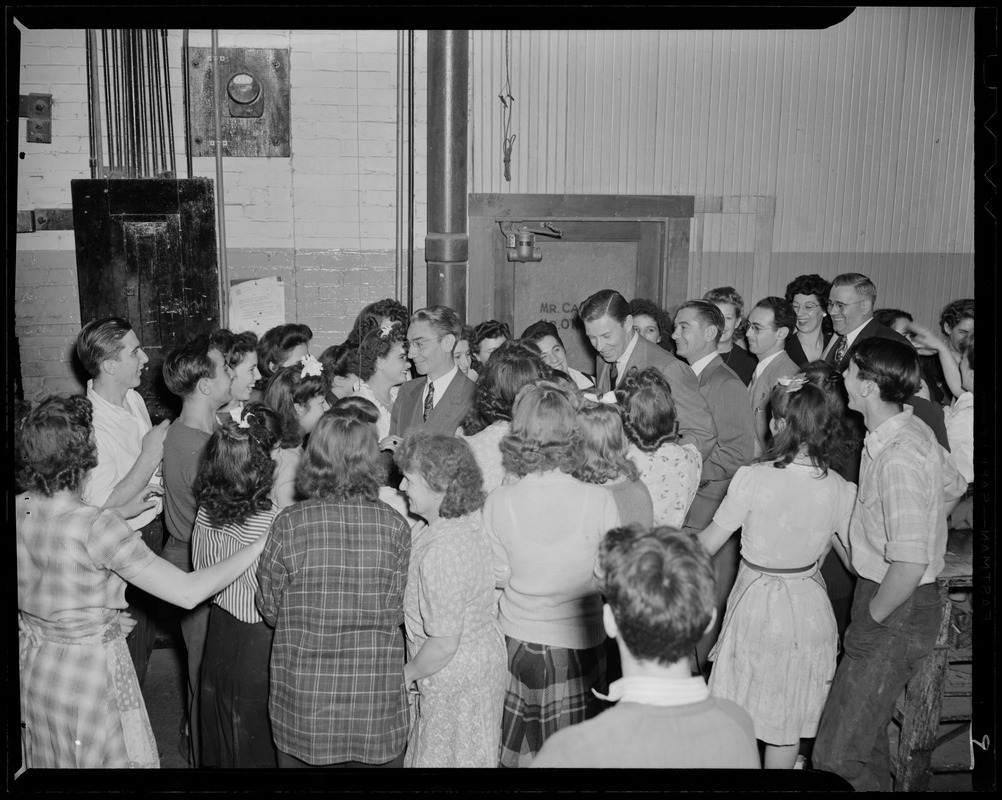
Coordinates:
613 376
429 400
843 345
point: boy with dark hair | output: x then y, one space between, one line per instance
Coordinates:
897 538
659 591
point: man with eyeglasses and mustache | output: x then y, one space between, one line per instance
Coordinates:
441 398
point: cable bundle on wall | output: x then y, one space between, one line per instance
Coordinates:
138 117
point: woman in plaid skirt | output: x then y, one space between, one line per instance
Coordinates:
81 705
544 532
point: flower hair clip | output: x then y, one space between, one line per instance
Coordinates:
386 328
311 367
794 384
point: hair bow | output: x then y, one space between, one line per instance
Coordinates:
236 414
386 328
793 384
311 367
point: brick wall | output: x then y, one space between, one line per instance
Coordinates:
324 219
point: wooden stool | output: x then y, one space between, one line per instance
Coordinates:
919 710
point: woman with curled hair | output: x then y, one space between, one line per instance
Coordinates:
239 352
607 462
382 368
331 584
456 652
340 363
515 364
464 356
81 704
376 314
488 336
543 531
732 306
233 491
652 322
298 395
670 471
808 294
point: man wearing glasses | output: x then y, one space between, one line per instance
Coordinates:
441 398
850 306
769 324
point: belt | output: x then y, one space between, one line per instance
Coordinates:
778 570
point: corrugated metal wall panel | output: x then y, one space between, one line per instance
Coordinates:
863 134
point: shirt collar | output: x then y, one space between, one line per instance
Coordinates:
621 361
875 440
654 691
765 363
441 384
850 337
702 363
97 400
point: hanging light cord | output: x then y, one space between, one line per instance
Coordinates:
507 101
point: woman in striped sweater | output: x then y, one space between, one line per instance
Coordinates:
233 489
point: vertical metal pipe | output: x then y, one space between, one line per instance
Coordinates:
410 170
187 112
398 265
224 274
90 100
447 243
169 101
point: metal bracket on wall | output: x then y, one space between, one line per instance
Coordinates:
45 219
38 109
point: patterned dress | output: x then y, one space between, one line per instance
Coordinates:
450 592
81 705
671 474
775 656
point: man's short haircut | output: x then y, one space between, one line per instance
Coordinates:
707 313
726 294
186 365
808 285
892 365
442 319
888 316
660 585
540 330
100 340
607 302
782 311
956 311
864 286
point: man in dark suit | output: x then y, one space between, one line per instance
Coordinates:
850 306
770 322
698 326
609 326
441 398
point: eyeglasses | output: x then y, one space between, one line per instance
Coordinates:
841 307
419 344
808 307
759 328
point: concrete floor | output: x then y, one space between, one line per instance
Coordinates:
163 691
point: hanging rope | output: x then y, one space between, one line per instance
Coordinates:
508 102
138 115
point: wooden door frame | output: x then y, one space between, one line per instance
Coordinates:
490 280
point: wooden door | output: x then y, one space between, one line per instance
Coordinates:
146 251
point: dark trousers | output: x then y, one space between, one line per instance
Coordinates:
879 659
235 726
285 761
194 624
725 571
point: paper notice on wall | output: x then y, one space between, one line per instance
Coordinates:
257 305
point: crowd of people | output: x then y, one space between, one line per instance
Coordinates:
439 545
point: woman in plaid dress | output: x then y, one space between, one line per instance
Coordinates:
544 531
81 705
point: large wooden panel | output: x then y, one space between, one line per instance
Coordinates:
146 251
